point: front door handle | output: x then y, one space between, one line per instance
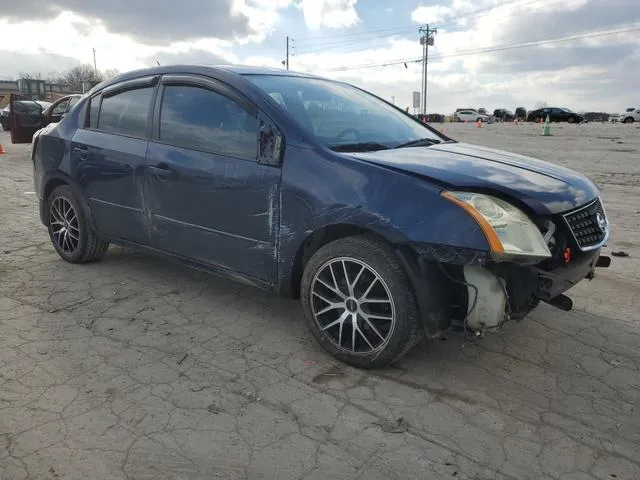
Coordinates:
163 174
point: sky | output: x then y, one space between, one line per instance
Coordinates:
579 54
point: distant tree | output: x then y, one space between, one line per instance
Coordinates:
110 73
79 76
541 105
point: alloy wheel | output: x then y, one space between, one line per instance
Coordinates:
352 305
65 228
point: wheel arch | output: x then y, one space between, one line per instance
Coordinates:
54 181
318 239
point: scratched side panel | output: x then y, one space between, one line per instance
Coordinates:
320 189
217 210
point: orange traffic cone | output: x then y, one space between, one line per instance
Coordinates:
479 123
2 152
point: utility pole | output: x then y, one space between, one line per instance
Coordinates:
287 59
95 65
426 40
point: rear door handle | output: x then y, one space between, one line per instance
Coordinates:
83 152
163 174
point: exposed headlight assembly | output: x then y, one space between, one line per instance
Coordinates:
509 231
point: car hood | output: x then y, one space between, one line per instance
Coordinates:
544 187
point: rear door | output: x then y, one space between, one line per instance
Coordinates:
108 157
25 118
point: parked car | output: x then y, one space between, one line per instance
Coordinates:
59 108
470 116
37 114
503 115
385 228
431 117
614 117
555 115
521 113
630 115
27 107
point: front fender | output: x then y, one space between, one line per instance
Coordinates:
320 190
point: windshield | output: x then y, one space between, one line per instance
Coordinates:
340 115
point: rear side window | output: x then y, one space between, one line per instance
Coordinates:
200 119
126 113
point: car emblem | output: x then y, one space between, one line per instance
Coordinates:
602 222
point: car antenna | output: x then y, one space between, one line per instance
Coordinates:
157 62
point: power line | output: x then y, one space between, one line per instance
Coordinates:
336 44
356 34
327 43
496 48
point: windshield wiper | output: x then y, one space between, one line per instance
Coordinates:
358 147
421 142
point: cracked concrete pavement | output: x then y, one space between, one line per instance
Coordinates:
135 368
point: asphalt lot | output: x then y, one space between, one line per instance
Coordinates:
135 368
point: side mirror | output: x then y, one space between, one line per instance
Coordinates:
270 143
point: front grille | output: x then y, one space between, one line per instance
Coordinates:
588 224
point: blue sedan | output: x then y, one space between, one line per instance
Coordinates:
386 230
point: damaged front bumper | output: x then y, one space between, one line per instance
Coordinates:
483 294
502 292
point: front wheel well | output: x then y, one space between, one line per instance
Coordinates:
317 240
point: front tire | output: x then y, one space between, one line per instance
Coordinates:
73 237
358 302
628 120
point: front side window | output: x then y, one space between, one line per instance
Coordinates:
339 114
200 119
126 113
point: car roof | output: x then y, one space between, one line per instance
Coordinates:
203 70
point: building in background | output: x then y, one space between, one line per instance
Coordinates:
34 89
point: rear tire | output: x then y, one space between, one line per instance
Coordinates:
71 234
628 120
358 281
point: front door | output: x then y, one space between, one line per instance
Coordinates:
25 118
209 198
108 158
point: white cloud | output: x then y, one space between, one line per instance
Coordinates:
329 13
431 14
